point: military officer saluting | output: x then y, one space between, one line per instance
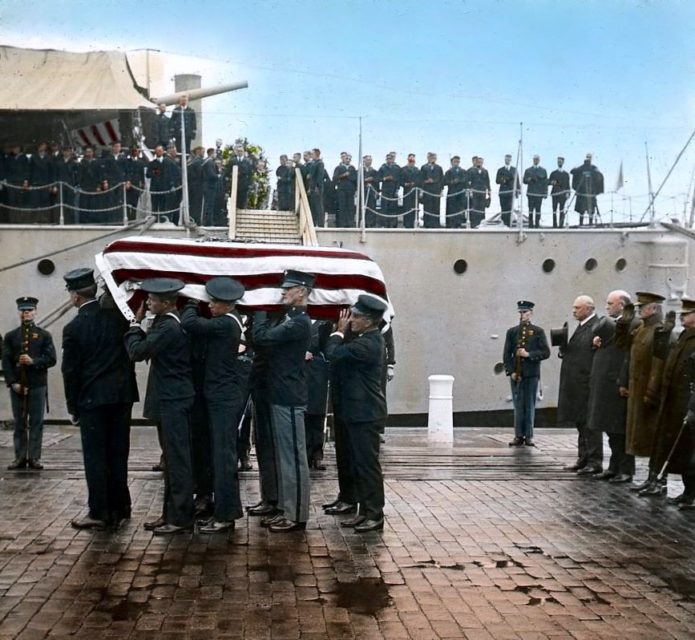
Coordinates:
169 397
27 355
224 396
524 348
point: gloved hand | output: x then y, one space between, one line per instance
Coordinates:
390 372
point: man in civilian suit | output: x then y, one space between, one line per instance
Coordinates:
575 373
559 181
509 182
100 389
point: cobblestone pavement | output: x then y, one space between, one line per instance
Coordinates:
481 541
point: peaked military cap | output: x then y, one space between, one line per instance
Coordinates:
292 278
644 297
26 303
79 279
162 286
224 289
687 305
367 305
525 305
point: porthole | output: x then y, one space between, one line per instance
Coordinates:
548 265
46 267
590 264
620 264
460 266
499 368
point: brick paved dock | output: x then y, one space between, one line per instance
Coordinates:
481 542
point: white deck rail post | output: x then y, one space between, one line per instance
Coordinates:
440 423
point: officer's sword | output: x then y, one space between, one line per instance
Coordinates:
673 449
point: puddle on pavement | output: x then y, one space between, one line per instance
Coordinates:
276 572
125 610
366 596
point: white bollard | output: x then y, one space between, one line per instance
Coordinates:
440 422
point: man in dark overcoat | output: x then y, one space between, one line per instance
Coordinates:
317 387
100 389
41 179
411 180
587 182
182 112
607 408
169 397
363 404
345 181
371 191
559 181
479 185
162 174
536 181
134 180
432 177
315 178
455 179
508 181
285 180
573 400
525 347
390 178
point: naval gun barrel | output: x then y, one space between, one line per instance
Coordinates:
198 94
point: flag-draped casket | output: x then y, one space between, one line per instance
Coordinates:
341 275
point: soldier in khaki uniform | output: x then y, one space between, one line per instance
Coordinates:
640 365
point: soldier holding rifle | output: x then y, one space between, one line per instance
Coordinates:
28 354
524 348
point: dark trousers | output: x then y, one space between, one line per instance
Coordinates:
242 196
477 211
159 202
506 204
132 197
370 206
285 199
620 462
455 210
559 210
105 433
364 442
174 417
209 202
689 484
224 416
41 200
534 211
316 205
430 203
389 207
201 462
410 209
589 446
313 425
524 400
346 208
195 204
27 444
346 481
265 448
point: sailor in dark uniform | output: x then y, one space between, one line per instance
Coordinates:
345 181
244 175
187 114
28 353
509 182
175 197
100 389
455 179
89 179
411 181
65 168
285 179
211 185
317 386
41 179
134 175
479 185
162 126
169 397
371 190
363 405
432 176
536 179
195 185
17 172
559 181
224 396
390 177
524 348
162 180
315 175
113 177
287 345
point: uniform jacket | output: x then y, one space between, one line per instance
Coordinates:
221 348
435 173
41 170
575 372
245 169
638 369
39 346
65 171
113 169
317 368
559 180
371 179
607 409
536 177
393 172
359 364
162 128
285 176
536 345
506 176
316 172
411 177
17 168
287 344
195 173
456 179
162 174
96 368
89 175
134 171
175 122
345 182
167 346
478 179
674 390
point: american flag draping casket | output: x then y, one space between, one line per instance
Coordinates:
341 275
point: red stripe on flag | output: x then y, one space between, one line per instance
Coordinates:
83 137
111 130
97 134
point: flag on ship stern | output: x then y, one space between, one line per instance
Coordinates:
341 274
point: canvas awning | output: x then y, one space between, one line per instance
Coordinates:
51 80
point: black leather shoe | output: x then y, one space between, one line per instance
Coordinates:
245 465
589 471
654 490
573 467
17 464
687 504
158 467
169 529
607 475
214 526
678 499
517 442
353 522
284 526
370 525
151 525
318 465
326 505
267 521
263 509
35 464
620 478
529 442
87 522
341 508
643 485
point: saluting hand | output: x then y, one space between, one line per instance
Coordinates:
140 313
343 320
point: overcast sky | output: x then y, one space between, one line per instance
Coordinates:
452 77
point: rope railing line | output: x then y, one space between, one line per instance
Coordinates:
77 190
